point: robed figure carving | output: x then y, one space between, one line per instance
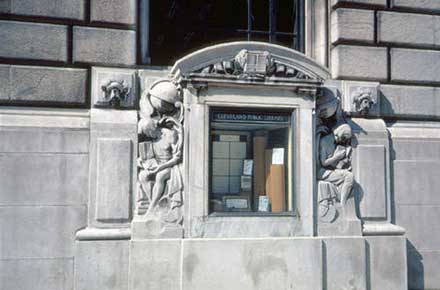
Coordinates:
160 181
334 155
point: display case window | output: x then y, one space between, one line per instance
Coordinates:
250 161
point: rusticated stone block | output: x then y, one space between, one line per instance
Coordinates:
33 41
415 66
409 28
352 24
100 45
410 101
363 2
116 11
72 9
359 62
433 5
42 84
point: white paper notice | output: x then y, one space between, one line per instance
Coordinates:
278 156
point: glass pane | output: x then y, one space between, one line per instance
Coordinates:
285 40
285 15
260 15
250 161
178 27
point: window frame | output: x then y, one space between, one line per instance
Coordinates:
298 34
290 166
199 223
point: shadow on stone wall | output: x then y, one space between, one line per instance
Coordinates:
416 273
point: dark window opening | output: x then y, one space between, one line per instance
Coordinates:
179 27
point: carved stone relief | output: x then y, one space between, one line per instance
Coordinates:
160 180
113 94
249 64
334 155
114 88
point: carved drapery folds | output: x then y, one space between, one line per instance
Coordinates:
334 155
160 180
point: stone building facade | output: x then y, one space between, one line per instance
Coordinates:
69 178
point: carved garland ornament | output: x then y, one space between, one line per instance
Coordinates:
160 129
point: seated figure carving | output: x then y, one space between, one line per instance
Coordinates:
334 170
160 184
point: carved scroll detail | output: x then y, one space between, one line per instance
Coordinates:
160 129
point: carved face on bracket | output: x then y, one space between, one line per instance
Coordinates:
115 92
364 103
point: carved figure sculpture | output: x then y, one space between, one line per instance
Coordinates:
114 93
335 179
160 183
363 101
335 160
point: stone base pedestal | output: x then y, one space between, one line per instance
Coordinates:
153 229
345 223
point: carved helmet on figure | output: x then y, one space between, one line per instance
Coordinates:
165 96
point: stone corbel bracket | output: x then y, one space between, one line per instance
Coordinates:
361 98
114 88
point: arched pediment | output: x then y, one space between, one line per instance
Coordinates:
250 60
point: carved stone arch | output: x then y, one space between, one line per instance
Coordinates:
199 61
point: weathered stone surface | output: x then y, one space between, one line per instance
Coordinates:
357 62
117 11
416 149
5 6
40 231
43 84
409 28
415 66
63 181
420 221
365 2
72 9
155 264
416 182
345 260
108 46
372 183
425 4
387 263
114 170
101 265
252 264
43 140
352 24
37 274
423 273
33 40
409 101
